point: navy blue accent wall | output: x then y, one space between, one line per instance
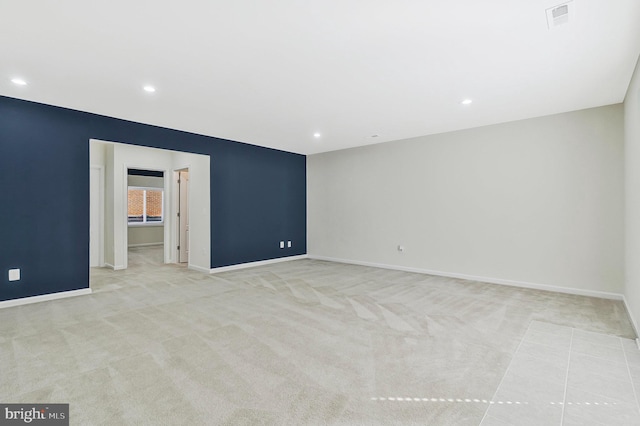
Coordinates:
258 195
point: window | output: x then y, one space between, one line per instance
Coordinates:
145 205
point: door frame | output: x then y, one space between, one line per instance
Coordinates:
176 208
166 217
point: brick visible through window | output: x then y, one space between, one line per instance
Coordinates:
144 205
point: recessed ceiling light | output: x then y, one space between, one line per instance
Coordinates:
149 89
316 135
18 81
466 102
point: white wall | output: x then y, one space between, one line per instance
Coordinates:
97 165
536 201
145 181
97 154
108 212
199 207
632 196
145 235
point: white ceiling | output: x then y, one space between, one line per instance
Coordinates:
273 73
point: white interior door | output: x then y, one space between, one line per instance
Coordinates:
183 216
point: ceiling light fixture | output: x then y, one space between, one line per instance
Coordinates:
466 102
18 81
149 89
316 135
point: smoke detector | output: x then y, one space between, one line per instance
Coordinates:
559 15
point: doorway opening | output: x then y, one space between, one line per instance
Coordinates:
112 224
146 216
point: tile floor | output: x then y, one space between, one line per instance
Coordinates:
566 376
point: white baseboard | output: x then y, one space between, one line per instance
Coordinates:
199 268
44 298
490 280
115 268
258 263
631 318
146 244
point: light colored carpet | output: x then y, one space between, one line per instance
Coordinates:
311 342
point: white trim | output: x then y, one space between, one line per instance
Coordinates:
631 319
115 268
490 280
122 218
198 268
44 298
145 224
254 264
145 244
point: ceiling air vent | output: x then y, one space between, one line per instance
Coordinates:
559 15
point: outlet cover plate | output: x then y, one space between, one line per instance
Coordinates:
14 274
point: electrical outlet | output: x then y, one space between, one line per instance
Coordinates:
281 244
14 274
289 244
